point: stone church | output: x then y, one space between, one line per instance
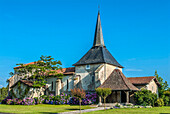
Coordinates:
97 68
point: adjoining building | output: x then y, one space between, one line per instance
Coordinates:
97 68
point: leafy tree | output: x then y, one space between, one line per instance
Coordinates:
167 97
3 93
162 89
145 97
164 85
78 93
40 70
159 102
104 92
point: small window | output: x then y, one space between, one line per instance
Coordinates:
87 66
67 84
52 86
152 88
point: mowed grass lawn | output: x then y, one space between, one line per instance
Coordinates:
41 109
155 110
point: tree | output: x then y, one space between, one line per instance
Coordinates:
78 93
3 93
104 92
40 70
164 85
145 97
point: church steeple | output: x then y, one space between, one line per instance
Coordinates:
98 37
98 54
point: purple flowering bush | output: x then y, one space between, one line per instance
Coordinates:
5 100
51 99
57 100
16 101
28 101
90 98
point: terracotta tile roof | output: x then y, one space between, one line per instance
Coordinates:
118 81
26 82
142 80
24 65
65 71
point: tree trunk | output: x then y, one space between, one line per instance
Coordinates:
80 104
104 103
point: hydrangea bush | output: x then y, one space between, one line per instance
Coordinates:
90 98
51 99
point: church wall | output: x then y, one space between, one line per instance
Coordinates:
103 73
33 92
87 76
63 84
110 68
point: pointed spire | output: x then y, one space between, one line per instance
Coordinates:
98 38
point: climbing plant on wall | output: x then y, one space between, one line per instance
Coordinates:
41 69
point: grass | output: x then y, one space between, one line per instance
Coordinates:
40 109
155 110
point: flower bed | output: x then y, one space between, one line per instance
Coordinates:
51 99
89 99
16 101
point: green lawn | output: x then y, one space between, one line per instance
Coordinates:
41 109
155 110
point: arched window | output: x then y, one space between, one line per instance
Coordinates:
67 84
52 86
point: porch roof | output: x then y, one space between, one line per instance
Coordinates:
118 81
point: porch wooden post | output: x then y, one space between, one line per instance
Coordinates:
120 96
127 97
116 96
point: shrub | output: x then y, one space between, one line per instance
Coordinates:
90 98
5 100
78 93
9 101
159 102
28 101
104 92
145 97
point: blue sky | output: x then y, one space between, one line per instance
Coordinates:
136 32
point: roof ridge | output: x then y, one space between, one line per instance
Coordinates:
103 56
123 78
141 77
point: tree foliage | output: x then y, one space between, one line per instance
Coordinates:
40 70
3 93
163 90
164 85
145 97
104 92
78 93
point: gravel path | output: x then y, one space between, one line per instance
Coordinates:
82 111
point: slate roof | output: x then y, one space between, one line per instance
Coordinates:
98 53
117 81
98 37
142 80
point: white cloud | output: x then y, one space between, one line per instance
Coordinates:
133 70
1 86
